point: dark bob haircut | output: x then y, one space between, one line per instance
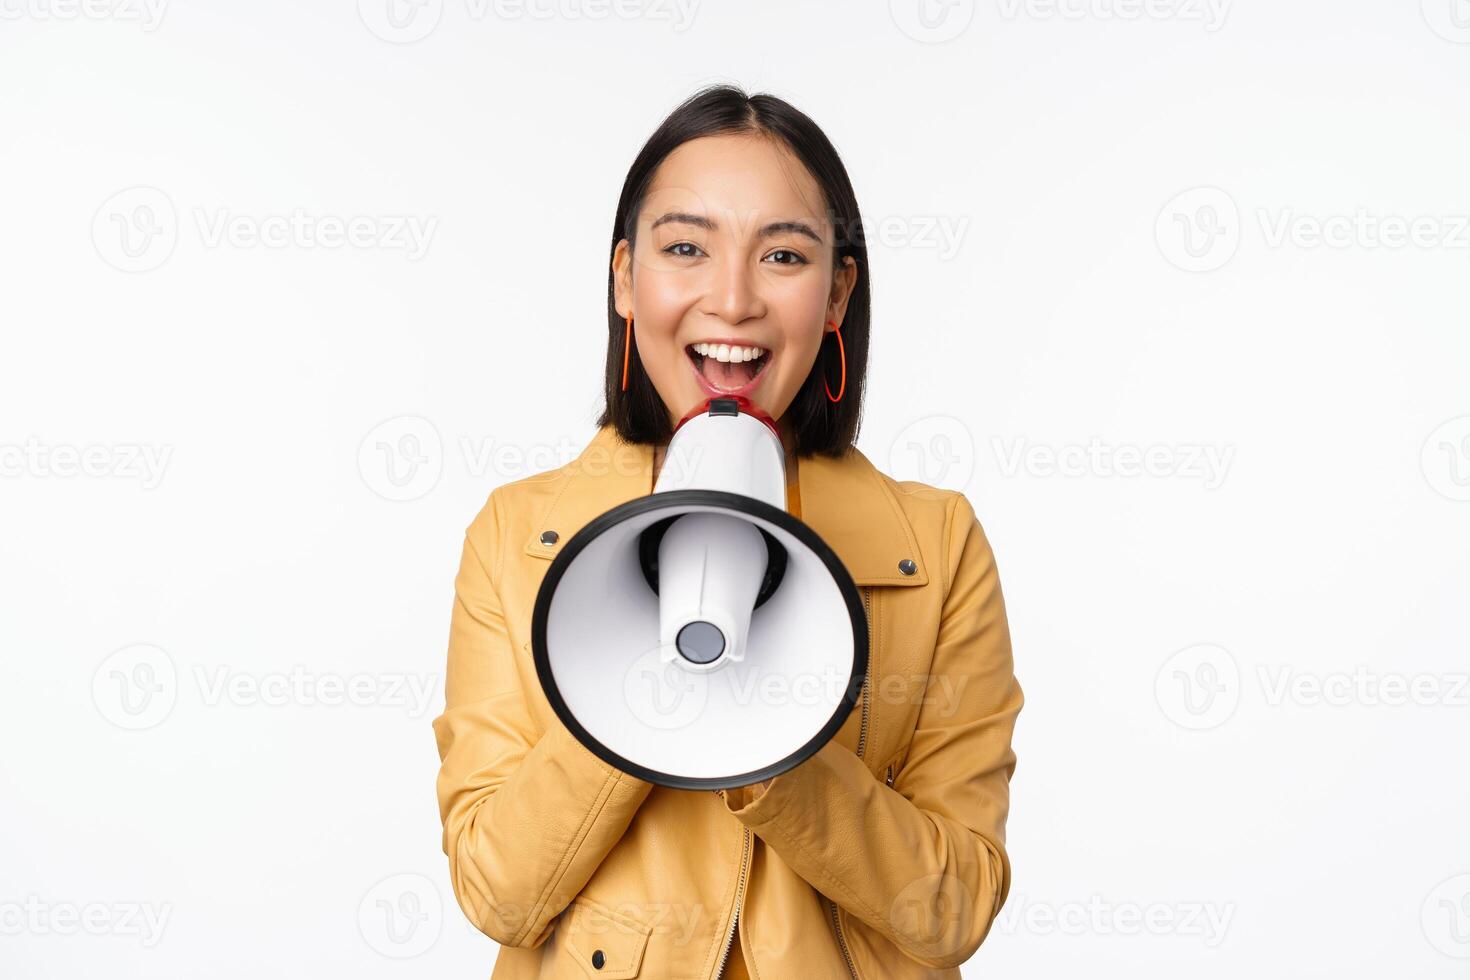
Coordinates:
819 425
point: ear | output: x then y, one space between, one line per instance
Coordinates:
843 281
622 274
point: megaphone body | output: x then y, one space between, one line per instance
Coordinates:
702 637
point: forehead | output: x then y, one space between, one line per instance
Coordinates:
734 174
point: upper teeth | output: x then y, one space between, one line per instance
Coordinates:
724 352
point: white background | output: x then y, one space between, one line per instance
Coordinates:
236 474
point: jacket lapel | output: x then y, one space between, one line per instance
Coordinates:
846 501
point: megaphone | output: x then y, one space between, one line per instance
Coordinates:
700 636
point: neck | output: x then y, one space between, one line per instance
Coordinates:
788 438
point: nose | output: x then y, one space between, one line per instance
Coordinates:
733 294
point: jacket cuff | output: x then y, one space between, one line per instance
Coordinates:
762 809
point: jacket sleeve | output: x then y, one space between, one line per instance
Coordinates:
922 862
528 816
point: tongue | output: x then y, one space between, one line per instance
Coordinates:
728 375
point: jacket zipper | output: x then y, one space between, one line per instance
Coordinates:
867 674
861 745
739 897
841 940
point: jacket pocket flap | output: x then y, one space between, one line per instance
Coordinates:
607 944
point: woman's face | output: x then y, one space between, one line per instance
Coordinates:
734 247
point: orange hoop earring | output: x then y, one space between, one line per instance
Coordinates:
842 353
627 345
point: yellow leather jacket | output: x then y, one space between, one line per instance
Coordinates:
880 856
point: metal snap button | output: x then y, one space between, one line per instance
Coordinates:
549 537
907 566
598 959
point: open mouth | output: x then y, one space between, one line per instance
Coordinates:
727 377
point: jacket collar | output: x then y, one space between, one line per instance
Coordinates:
846 501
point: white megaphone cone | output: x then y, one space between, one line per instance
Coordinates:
701 637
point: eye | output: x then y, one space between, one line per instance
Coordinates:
671 249
797 258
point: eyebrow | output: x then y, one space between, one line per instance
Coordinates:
774 228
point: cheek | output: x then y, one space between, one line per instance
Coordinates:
800 298
658 311
661 304
664 291
800 303
797 357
